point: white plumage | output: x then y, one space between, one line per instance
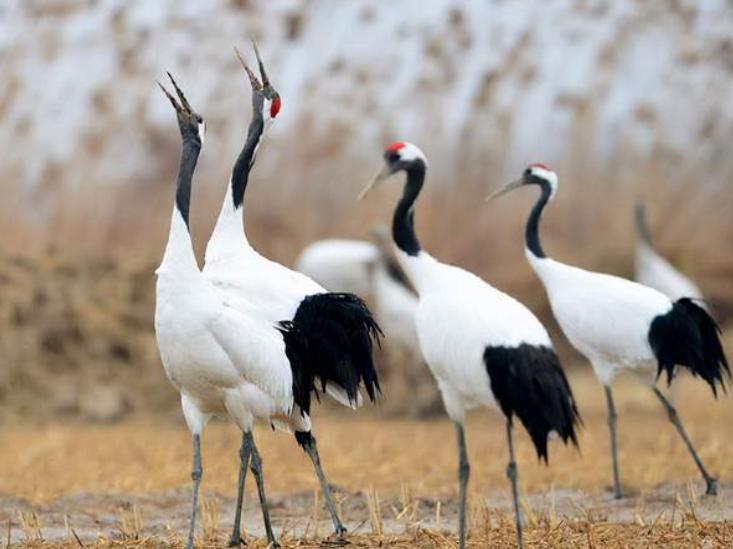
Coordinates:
395 307
364 269
327 337
618 324
589 307
458 316
339 264
482 346
233 265
655 271
224 360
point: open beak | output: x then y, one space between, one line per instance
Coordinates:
381 175
263 74
506 188
256 85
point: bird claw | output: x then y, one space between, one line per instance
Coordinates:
236 541
712 486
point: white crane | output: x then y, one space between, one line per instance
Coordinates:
328 336
370 271
618 324
483 347
224 360
655 271
339 264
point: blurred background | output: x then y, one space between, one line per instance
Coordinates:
625 100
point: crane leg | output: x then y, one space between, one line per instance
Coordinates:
244 453
464 471
256 467
511 473
312 451
710 481
614 447
196 474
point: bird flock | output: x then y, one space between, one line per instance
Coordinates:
249 339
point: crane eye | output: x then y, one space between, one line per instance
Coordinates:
392 156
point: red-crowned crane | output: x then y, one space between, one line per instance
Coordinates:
483 347
223 359
655 271
328 336
618 324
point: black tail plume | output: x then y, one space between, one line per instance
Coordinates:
529 382
688 336
331 339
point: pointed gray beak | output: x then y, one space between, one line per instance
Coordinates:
381 175
256 84
263 74
506 188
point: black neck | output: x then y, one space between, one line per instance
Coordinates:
189 157
642 227
246 158
531 235
403 222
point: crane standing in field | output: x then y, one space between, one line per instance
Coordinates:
328 336
482 346
618 324
655 271
223 360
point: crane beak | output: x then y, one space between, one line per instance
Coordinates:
506 188
256 85
381 175
263 74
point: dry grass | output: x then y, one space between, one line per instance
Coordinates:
146 454
77 341
84 310
589 223
566 534
396 479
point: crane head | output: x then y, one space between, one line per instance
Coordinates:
400 155
534 174
265 97
190 122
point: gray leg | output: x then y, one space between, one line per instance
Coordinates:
464 471
312 451
614 451
244 453
511 472
256 466
710 481
196 474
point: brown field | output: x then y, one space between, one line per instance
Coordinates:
126 484
93 449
